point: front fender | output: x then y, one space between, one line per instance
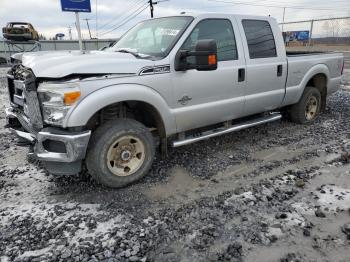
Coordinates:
103 97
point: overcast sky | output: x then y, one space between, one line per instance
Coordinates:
48 19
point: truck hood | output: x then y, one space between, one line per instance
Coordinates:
59 64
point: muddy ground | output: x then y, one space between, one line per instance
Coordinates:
278 192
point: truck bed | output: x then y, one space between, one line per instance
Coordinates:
301 64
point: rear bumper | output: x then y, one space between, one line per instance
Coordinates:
71 145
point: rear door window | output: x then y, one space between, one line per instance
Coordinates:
260 39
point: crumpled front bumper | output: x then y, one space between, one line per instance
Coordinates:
71 147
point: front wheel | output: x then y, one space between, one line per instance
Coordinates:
121 152
308 108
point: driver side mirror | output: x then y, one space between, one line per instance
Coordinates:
205 57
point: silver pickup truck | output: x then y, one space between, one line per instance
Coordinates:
167 81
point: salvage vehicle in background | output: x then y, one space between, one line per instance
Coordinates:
20 31
167 81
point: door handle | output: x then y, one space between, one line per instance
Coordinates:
241 75
279 70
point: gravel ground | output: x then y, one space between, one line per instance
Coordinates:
278 192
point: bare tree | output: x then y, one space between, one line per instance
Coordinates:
326 27
336 27
333 27
347 26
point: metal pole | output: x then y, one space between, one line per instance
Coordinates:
77 23
151 7
284 12
96 22
311 28
70 33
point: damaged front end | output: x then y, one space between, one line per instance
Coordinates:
61 151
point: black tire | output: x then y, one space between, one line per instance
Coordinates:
300 113
101 143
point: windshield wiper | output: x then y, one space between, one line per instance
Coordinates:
129 51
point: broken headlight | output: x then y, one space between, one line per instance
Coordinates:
56 99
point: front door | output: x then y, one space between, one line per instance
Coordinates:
203 98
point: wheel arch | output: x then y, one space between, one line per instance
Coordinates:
318 75
315 77
142 96
141 111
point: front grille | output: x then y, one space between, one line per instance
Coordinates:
23 95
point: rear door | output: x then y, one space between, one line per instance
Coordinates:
266 66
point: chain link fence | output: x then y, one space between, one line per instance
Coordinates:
326 33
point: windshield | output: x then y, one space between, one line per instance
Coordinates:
153 37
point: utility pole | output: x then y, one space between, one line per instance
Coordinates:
87 22
96 22
284 12
151 3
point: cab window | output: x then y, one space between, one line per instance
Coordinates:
218 29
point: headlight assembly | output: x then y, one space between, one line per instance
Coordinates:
56 100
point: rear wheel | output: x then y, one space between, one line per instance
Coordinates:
120 152
308 108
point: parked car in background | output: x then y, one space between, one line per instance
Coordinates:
20 31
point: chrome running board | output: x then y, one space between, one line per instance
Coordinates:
225 130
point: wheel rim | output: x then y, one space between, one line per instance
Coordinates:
126 155
311 108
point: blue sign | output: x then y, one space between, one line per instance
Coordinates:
76 6
301 36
